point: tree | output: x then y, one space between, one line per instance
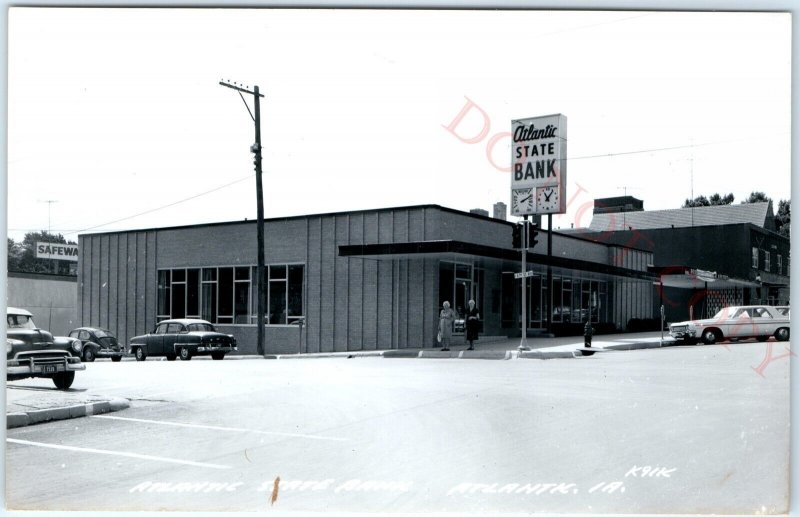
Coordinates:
756 197
22 256
713 199
783 218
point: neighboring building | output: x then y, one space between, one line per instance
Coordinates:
500 211
479 211
50 298
373 279
737 242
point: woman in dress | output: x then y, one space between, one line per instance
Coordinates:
446 318
473 324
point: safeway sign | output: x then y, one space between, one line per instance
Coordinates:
51 250
539 165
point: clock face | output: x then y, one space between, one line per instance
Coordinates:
522 201
547 200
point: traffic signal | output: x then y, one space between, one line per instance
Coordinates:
516 237
533 231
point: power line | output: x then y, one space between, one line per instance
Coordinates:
162 207
690 146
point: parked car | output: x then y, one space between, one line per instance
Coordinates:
740 322
97 342
182 338
783 310
33 352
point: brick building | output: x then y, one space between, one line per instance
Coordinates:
362 280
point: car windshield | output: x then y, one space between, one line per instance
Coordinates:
200 327
103 333
722 314
19 321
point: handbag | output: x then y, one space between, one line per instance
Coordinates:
439 337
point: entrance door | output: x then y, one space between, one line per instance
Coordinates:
463 296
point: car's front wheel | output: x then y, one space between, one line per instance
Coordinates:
782 334
186 354
88 354
709 337
140 354
63 380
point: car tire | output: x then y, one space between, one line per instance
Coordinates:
171 357
116 359
63 380
87 356
782 334
218 356
186 354
709 337
762 338
140 354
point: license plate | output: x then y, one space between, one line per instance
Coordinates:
49 368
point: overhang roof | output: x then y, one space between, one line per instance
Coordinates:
425 249
688 278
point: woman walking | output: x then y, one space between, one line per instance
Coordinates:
473 324
446 318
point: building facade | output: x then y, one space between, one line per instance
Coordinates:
363 280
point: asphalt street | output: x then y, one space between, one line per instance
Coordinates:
673 430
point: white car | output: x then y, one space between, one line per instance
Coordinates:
740 322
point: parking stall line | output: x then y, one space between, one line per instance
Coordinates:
220 428
117 453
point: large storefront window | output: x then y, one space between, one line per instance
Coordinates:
227 295
460 282
573 301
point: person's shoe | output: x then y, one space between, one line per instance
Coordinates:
445 349
471 348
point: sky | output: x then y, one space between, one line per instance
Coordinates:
117 120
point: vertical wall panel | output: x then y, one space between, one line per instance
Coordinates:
313 281
355 271
341 283
327 283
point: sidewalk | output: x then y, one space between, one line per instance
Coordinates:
26 405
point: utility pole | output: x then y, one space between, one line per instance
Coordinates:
256 150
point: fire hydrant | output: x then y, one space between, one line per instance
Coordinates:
587 334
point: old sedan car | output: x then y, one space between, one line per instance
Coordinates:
184 338
97 342
740 322
33 352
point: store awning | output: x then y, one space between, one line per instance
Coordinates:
445 249
691 278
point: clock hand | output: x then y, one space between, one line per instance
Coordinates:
547 196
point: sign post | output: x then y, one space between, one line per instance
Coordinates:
538 186
523 342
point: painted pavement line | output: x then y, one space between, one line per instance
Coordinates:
117 453
220 428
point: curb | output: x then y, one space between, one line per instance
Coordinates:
62 413
538 354
344 355
634 346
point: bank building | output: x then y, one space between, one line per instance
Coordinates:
376 279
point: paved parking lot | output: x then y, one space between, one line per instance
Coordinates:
676 430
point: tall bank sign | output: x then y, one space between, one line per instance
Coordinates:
539 165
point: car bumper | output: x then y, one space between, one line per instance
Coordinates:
30 368
208 349
683 334
110 353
